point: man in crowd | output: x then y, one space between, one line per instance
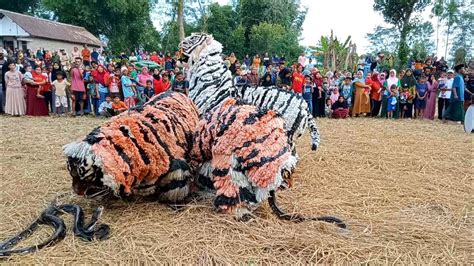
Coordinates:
455 111
86 55
298 80
253 78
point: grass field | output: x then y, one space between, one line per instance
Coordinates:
405 189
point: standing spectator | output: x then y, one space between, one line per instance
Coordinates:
161 84
15 95
455 111
101 58
308 92
132 58
247 61
239 79
75 53
86 56
154 58
391 80
95 55
431 99
252 77
408 84
266 60
302 60
421 92
375 95
361 95
445 85
142 79
77 87
298 80
180 84
328 108
60 88
128 89
392 101
3 70
346 90
233 62
284 78
319 95
101 77
47 92
35 105
256 61
168 61
469 92
93 95
63 58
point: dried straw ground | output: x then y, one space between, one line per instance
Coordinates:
404 188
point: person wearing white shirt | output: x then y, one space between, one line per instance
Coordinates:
445 86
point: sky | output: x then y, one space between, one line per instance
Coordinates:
344 17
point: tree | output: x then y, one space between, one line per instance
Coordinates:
336 55
273 38
124 23
400 13
449 12
181 19
463 33
221 22
20 6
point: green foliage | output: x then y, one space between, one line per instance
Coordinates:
273 38
170 37
400 13
222 22
125 23
20 6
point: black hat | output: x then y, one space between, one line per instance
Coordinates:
458 67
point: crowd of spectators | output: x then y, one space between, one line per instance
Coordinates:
96 82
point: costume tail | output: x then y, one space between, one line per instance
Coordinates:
298 217
314 132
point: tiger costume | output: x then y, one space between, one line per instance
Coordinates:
140 153
210 83
242 154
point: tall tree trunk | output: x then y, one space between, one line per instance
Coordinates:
181 19
447 41
349 53
437 36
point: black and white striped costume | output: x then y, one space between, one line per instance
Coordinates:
211 83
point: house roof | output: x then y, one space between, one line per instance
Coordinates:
38 27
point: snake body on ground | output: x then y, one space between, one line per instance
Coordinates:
50 216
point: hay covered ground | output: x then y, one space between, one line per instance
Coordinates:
405 188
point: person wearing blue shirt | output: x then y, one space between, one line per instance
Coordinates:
455 111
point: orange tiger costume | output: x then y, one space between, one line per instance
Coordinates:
243 153
139 153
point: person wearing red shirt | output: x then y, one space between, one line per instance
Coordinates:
298 80
375 94
161 85
155 58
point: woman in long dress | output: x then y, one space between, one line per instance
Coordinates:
35 104
15 95
430 108
361 93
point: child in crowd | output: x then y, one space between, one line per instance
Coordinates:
340 108
420 103
148 90
180 84
346 90
118 106
308 92
404 96
392 101
328 108
113 84
47 93
93 94
60 87
105 108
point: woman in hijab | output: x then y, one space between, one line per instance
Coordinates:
101 76
408 84
431 96
391 80
361 95
143 77
266 81
375 95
